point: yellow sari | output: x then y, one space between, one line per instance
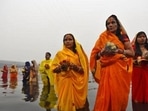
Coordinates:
71 87
46 72
113 75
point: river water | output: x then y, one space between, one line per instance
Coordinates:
14 96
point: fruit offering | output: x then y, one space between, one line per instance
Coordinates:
111 46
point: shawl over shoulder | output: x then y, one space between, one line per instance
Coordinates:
70 86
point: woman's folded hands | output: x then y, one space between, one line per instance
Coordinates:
66 66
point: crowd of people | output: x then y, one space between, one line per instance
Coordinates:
115 62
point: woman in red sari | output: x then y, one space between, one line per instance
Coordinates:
4 72
140 69
111 66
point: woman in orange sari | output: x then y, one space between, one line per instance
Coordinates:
13 71
13 76
70 67
111 66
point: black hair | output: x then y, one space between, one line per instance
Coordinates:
27 63
118 32
138 52
48 53
74 47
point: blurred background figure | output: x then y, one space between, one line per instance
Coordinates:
33 72
4 76
13 77
30 81
45 71
4 72
13 83
48 98
33 82
31 92
26 72
13 71
26 90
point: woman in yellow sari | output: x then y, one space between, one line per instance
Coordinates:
70 66
111 66
45 70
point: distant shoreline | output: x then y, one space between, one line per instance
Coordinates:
9 63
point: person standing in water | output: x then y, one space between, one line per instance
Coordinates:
111 66
71 72
45 71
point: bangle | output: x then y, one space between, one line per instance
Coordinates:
99 54
79 69
124 52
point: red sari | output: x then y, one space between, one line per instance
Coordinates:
4 72
140 82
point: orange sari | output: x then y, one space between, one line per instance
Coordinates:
13 71
71 87
113 75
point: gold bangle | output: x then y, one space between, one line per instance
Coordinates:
79 69
124 52
99 54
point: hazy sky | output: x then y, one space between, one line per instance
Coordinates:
29 28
